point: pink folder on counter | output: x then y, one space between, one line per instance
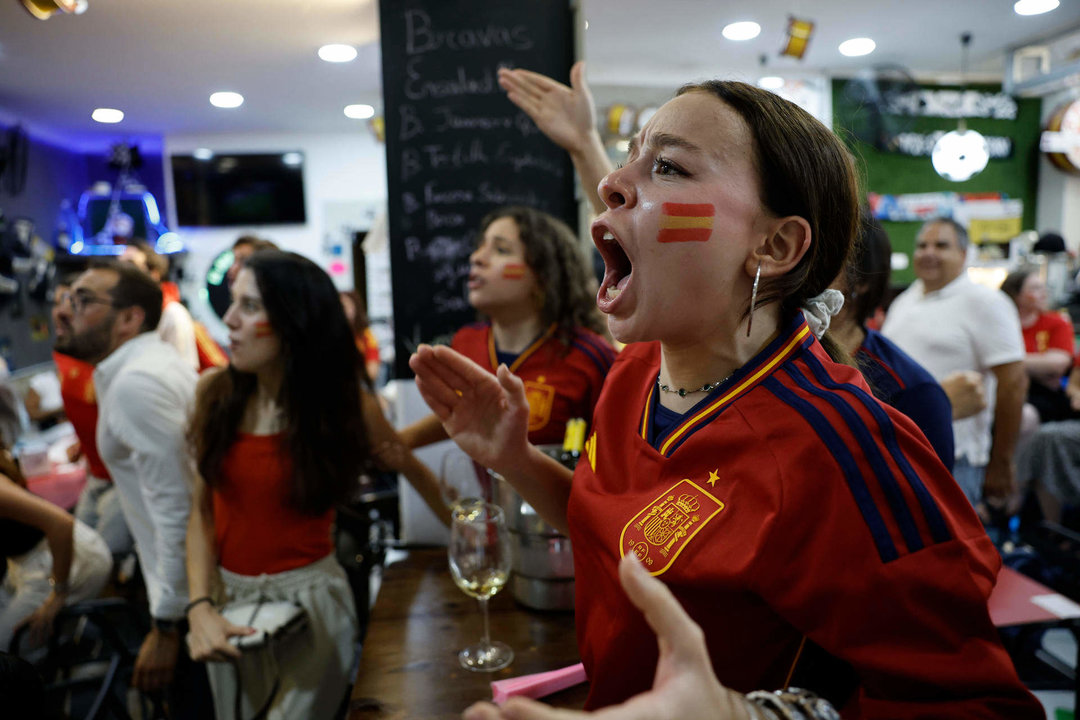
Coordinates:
537 685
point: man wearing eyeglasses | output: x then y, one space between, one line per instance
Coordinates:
98 506
144 390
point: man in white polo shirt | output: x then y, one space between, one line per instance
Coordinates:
145 391
948 324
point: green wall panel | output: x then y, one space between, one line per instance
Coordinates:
891 173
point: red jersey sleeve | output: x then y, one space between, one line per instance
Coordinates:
893 575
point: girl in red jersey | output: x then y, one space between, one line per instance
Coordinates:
809 531
1048 342
529 278
279 436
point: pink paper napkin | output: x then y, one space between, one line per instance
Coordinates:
537 685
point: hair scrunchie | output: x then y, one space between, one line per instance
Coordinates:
820 309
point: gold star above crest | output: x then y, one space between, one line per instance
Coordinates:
713 477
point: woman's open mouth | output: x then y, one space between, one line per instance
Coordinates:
618 268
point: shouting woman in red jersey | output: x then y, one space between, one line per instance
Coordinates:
808 530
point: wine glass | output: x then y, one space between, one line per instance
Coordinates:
461 479
479 553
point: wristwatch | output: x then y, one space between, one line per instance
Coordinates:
166 626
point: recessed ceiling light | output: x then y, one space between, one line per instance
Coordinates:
107 115
203 154
771 82
742 30
226 99
337 53
586 24
1034 7
359 112
856 47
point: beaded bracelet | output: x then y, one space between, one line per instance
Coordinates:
793 704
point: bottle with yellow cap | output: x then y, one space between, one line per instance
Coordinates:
573 442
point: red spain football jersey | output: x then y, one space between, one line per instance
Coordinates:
788 511
1050 331
80 406
560 383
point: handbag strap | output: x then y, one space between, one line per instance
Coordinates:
262 712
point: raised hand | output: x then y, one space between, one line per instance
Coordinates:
565 114
486 415
684 685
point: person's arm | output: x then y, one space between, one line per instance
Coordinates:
567 116
685 685
1048 367
966 394
907 609
150 417
371 367
59 528
393 454
209 631
1012 386
426 431
928 406
487 416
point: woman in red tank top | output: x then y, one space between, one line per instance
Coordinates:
279 436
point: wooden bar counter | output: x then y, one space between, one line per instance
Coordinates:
409 666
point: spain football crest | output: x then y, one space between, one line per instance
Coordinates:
540 397
663 529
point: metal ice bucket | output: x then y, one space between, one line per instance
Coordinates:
543 561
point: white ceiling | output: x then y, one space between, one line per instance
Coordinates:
159 60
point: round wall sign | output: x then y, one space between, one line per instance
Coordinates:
1061 141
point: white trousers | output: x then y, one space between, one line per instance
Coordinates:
26 585
313 665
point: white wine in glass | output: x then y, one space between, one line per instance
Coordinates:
479 554
461 479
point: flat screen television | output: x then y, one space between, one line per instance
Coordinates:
239 189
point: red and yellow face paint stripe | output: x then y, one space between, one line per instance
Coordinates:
263 329
686 222
514 271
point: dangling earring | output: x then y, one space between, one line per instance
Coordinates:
753 299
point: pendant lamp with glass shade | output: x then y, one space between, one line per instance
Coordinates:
961 154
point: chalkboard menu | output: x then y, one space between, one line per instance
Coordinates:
456 148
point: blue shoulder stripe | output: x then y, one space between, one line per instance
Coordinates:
591 354
939 530
885 547
871 451
602 349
